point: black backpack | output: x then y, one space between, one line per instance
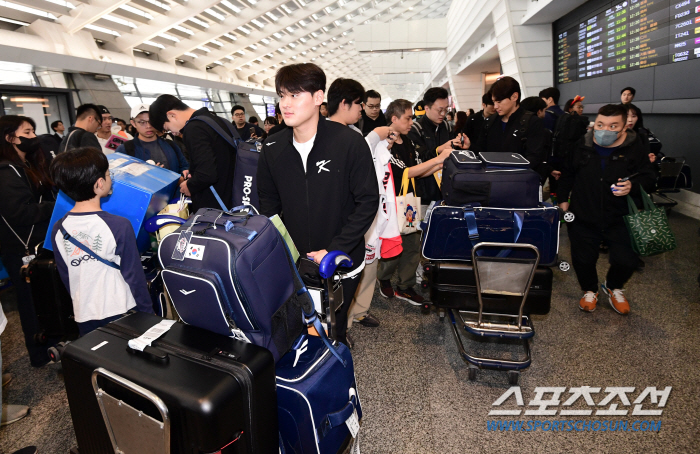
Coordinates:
568 129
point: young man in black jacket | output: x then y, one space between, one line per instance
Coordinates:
601 159
212 158
475 123
512 130
432 134
319 176
82 134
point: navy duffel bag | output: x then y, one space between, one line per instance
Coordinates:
452 231
234 276
498 180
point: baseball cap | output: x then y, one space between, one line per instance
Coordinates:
420 108
138 109
103 110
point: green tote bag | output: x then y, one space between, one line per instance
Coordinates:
649 230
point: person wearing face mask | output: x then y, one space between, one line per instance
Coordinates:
82 134
26 206
593 177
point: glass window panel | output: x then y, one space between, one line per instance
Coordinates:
16 74
256 99
155 87
191 92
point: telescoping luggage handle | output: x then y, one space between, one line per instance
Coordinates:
473 230
333 420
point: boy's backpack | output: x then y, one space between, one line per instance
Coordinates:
568 129
245 188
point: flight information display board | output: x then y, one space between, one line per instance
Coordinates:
632 34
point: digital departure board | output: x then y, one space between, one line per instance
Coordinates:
632 34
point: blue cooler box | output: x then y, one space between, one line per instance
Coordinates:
140 191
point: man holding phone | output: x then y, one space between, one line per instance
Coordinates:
608 163
245 130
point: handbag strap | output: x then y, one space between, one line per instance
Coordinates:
83 247
648 203
404 183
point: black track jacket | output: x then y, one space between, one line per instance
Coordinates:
592 201
333 204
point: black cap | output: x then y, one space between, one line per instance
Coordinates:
103 110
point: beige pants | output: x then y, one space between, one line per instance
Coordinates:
363 295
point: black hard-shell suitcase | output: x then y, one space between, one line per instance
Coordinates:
453 285
52 302
216 389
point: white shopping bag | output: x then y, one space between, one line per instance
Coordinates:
408 207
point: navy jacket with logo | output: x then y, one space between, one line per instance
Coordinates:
333 204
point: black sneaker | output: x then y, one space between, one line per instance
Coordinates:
368 321
386 289
410 296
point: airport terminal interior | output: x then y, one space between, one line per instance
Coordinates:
620 378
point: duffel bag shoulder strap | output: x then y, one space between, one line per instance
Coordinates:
233 138
67 236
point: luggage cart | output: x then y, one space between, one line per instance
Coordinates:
325 286
498 276
674 175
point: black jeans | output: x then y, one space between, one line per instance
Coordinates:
341 317
585 243
25 306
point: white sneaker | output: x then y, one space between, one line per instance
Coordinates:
13 413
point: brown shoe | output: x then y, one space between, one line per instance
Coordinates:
386 289
617 300
588 302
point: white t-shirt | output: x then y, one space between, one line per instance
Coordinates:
304 149
103 142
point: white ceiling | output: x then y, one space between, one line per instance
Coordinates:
251 38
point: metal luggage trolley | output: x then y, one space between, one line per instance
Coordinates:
498 276
674 175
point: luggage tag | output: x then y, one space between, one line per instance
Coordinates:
182 242
353 424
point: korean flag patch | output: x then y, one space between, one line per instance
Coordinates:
195 252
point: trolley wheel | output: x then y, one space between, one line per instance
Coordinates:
472 373
441 315
564 266
425 309
40 338
424 284
569 216
513 376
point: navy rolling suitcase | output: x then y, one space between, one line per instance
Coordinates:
237 278
453 230
190 392
317 398
502 181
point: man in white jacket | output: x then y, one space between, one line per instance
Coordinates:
345 107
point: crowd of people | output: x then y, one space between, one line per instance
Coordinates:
332 169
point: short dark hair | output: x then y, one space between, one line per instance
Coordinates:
471 111
158 113
253 120
504 88
76 171
487 99
613 110
433 94
271 120
551 92
237 107
371 94
533 104
397 108
277 109
344 90
54 124
300 77
632 90
87 110
324 103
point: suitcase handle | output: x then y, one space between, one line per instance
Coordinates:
331 261
150 353
154 223
333 420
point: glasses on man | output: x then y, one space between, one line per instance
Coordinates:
373 106
239 115
440 111
142 122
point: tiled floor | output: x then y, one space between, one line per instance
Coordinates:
414 387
